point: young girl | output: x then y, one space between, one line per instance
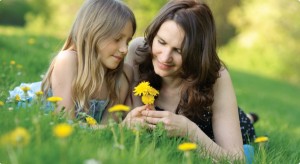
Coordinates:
89 71
178 57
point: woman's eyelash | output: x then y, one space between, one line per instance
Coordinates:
161 42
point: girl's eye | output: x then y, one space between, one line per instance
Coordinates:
117 39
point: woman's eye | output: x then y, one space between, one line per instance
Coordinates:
161 42
178 51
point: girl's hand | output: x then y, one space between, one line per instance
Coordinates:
134 117
175 125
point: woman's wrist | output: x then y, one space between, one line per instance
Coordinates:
192 131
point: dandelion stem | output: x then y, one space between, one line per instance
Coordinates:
12 155
114 135
188 157
136 143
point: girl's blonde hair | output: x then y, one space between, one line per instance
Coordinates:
96 21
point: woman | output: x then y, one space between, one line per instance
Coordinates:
178 57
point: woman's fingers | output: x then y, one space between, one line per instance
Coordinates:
157 114
152 120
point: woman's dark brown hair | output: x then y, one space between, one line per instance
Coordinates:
200 62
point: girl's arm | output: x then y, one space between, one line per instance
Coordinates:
62 76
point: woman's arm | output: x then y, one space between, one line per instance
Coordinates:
225 121
62 77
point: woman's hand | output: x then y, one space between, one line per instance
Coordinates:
175 125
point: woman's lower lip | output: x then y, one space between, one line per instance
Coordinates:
163 66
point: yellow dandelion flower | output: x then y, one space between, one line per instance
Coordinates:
187 146
18 137
1 103
261 139
152 91
25 88
39 93
90 120
62 130
148 99
18 98
12 62
146 91
119 108
54 99
31 41
141 88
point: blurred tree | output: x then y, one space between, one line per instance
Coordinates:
51 16
221 10
270 27
12 12
144 12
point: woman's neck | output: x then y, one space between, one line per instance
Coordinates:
171 83
169 94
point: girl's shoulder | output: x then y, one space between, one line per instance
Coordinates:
65 65
66 59
66 56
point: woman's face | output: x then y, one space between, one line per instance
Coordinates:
166 49
113 50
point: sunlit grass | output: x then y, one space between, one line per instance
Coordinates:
275 100
261 61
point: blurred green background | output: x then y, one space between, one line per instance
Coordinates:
256 39
259 37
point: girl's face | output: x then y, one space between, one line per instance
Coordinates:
113 50
166 49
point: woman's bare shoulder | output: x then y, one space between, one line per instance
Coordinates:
128 71
132 57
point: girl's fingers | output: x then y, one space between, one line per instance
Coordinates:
137 111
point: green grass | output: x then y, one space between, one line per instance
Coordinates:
275 101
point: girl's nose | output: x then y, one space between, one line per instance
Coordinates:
123 48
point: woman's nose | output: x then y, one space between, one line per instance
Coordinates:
166 55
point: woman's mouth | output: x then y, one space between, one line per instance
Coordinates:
164 66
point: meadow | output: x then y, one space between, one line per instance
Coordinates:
24 57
